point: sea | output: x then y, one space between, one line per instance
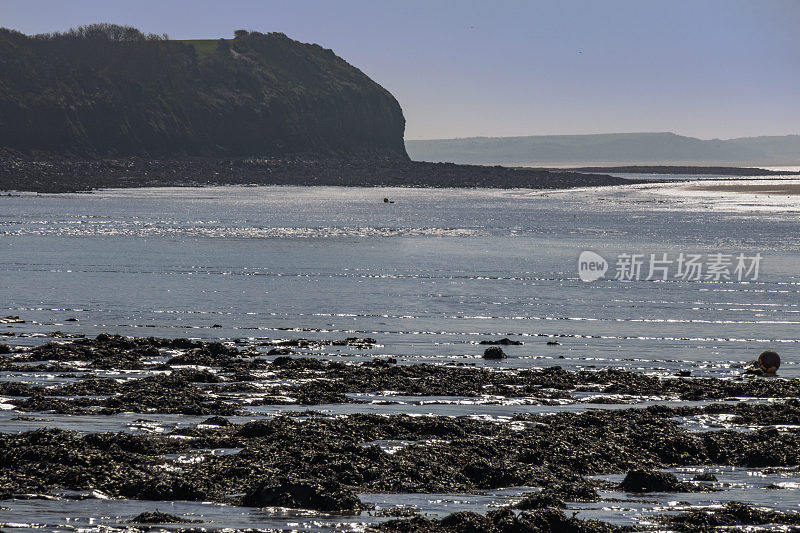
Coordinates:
695 280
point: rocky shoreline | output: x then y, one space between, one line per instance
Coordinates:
319 461
55 174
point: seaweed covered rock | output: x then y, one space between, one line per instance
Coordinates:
500 521
494 353
158 518
558 495
326 496
731 514
653 481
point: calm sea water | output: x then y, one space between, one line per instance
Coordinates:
428 276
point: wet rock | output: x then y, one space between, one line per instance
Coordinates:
540 500
502 342
63 335
5 348
466 522
769 362
761 448
558 494
16 388
209 354
158 518
653 481
299 363
705 476
494 353
381 362
327 496
399 511
355 342
553 343
217 421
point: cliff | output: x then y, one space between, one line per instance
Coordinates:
106 90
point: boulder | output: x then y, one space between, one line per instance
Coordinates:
652 481
494 353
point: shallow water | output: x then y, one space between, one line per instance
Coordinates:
776 491
428 277
69 515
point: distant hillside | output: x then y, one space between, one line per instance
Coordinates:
106 90
612 148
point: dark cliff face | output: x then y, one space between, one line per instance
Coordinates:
106 90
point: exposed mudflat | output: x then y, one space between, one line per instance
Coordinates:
179 433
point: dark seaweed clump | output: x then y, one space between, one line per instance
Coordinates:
312 381
310 460
501 521
731 514
655 481
157 517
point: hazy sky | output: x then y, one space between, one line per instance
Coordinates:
707 68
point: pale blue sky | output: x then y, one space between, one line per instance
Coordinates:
707 68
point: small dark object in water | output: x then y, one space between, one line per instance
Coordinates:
216 326
387 201
494 353
72 319
381 362
503 342
158 518
769 362
553 343
705 476
683 373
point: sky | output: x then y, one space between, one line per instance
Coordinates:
704 68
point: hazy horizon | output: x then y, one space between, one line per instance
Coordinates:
597 133
715 69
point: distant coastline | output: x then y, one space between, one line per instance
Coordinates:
610 149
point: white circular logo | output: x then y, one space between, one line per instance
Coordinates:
591 266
